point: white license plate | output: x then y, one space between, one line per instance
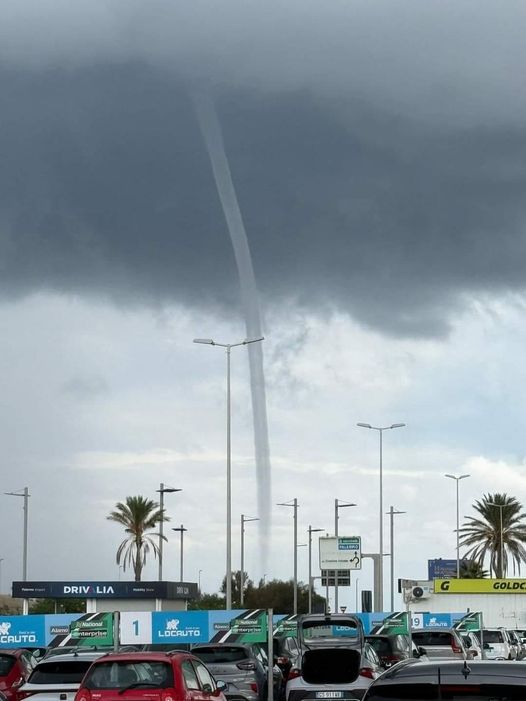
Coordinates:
329 694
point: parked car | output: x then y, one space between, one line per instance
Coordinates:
472 645
516 641
149 676
450 680
390 648
243 666
370 668
287 653
441 642
15 668
57 678
336 662
496 644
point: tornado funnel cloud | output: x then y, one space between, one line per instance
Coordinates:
212 135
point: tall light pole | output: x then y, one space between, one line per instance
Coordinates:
181 530
500 507
381 429
24 493
338 504
294 504
392 513
356 594
310 531
457 480
199 581
244 519
1 560
163 489
228 347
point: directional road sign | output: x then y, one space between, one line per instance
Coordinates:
341 553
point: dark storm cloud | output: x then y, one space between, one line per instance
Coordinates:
365 197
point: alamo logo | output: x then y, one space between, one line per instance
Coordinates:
172 630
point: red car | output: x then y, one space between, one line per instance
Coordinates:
15 668
149 676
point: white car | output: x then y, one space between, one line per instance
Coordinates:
496 644
336 662
58 677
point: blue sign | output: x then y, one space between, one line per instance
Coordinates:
22 631
436 620
442 569
180 627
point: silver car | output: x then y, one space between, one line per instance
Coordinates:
441 642
58 677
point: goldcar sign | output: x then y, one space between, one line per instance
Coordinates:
480 586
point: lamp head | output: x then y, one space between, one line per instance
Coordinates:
208 341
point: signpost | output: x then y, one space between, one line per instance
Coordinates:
338 556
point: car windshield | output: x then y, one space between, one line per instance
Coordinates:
492 636
381 645
57 671
123 673
218 655
432 637
6 664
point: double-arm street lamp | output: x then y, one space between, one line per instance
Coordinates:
228 347
294 504
244 519
24 493
181 530
163 489
338 504
381 429
392 513
310 531
457 480
500 507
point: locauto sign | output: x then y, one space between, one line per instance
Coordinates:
480 586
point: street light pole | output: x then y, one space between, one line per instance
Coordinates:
392 513
244 519
294 504
381 429
162 491
228 347
24 493
310 531
457 480
500 507
338 504
181 530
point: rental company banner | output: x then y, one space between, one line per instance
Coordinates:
56 630
480 586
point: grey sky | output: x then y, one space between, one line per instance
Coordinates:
378 151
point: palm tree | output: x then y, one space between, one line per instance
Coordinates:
499 540
138 516
469 569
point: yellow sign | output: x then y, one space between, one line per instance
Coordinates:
480 586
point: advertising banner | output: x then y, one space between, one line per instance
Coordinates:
22 631
472 621
480 586
104 590
180 627
93 629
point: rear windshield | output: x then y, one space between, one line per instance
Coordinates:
218 655
381 645
447 692
318 631
125 673
59 671
6 664
432 637
492 636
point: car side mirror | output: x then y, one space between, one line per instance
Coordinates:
473 652
221 685
486 646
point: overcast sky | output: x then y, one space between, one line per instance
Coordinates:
378 150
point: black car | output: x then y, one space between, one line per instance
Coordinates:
390 648
450 680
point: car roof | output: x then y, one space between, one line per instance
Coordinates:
221 645
13 652
71 657
415 669
142 656
434 629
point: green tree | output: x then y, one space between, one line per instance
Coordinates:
469 569
279 595
207 602
236 588
485 538
139 516
61 606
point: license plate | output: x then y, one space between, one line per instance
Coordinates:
329 694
